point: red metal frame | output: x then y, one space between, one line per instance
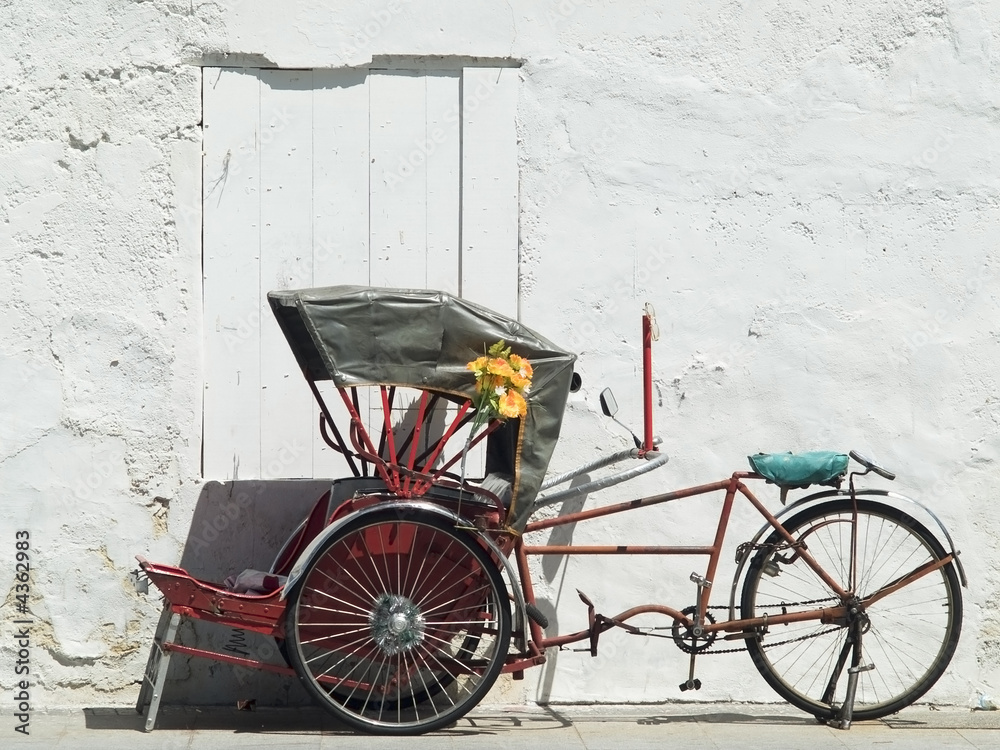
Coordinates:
410 480
647 383
731 486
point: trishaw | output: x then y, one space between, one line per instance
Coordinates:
406 591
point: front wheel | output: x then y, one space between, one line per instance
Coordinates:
909 635
400 623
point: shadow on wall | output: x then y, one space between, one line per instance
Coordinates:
554 571
237 525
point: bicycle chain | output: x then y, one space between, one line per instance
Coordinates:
710 651
768 645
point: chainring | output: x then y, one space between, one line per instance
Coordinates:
687 641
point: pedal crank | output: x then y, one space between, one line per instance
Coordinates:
692 682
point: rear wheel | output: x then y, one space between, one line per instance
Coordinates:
909 635
399 625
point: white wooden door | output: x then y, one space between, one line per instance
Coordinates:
398 178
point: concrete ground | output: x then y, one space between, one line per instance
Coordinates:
553 728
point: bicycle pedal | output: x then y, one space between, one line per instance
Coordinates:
690 685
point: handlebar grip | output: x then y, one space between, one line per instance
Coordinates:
872 466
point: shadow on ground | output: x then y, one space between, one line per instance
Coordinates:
486 721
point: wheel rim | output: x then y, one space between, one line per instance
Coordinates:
909 635
400 626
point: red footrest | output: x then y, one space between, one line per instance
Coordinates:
262 613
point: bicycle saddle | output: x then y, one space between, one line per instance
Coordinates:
799 470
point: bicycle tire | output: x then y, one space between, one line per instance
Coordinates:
925 617
400 624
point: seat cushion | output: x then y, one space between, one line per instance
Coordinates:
801 469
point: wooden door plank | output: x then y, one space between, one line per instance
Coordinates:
231 196
340 210
490 188
286 262
340 177
443 180
398 179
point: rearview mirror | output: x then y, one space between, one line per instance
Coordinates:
608 404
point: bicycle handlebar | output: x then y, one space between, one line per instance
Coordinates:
872 466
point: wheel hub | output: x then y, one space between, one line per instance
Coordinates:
396 624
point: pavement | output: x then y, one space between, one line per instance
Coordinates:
700 725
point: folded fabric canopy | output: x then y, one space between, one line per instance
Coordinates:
355 335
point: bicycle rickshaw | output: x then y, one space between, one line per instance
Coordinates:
406 591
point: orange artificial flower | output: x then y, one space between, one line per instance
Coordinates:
499 366
512 404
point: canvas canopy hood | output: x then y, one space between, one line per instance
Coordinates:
355 335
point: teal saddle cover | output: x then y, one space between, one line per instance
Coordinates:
794 470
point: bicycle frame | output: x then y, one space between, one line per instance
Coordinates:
732 486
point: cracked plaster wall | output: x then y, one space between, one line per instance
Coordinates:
808 195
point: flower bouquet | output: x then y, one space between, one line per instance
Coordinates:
503 379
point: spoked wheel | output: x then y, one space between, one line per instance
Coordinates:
909 635
400 625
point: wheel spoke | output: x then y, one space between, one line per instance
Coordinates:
443 580
463 595
327 654
368 592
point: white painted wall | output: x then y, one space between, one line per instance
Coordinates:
808 195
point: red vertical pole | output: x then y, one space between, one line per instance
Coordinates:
647 382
